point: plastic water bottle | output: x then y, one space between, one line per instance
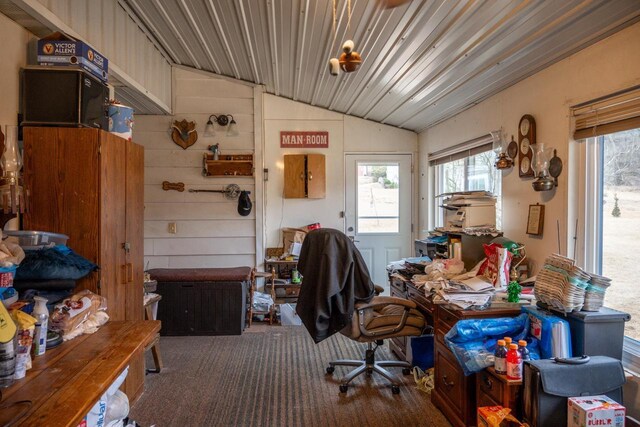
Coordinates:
507 341
514 363
500 364
523 350
41 314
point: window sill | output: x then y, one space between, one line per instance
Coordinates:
631 355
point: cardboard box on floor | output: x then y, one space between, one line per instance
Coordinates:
594 411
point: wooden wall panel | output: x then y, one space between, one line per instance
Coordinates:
210 232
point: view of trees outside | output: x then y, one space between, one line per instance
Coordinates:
378 198
474 173
621 224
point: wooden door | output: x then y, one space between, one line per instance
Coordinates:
134 231
294 176
316 176
61 172
113 220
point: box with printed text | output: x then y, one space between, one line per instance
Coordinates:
594 411
61 49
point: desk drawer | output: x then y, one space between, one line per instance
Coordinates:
446 317
449 380
398 288
417 296
490 385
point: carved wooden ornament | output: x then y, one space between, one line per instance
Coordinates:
178 186
184 133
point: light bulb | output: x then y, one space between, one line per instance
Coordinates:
233 128
209 129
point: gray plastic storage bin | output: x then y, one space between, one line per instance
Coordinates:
597 332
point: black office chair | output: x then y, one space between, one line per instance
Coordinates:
337 295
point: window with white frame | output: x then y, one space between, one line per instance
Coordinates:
469 169
609 135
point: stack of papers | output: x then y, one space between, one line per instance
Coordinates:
465 293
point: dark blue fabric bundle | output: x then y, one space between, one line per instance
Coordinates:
58 262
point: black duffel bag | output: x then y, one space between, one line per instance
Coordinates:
548 383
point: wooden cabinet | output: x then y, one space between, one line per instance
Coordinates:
454 393
304 176
493 389
89 185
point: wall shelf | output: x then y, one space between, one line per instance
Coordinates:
228 165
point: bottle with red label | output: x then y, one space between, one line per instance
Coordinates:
514 363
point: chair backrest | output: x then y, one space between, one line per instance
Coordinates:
335 277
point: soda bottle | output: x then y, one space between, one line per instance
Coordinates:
514 363
507 341
500 364
523 350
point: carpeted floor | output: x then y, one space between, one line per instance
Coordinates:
273 376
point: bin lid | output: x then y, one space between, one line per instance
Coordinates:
604 315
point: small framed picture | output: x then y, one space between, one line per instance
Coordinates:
535 222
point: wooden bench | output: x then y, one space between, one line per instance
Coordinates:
65 382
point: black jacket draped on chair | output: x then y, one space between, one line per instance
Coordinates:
335 277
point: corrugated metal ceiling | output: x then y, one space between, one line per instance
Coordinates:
424 61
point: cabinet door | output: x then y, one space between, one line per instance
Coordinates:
176 310
61 171
134 231
316 176
294 176
113 219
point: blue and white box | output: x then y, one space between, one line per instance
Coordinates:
60 49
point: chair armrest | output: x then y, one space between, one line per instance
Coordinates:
381 301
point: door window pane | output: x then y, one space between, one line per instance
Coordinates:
378 198
621 224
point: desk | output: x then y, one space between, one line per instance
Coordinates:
68 380
454 393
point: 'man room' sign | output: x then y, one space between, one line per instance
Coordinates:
304 139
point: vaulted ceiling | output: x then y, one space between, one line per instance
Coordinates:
424 61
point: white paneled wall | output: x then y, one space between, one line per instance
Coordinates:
139 69
210 232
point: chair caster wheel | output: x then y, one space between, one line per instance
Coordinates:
406 371
330 369
395 389
344 388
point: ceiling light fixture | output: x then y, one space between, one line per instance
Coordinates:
222 120
350 60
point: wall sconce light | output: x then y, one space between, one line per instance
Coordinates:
222 120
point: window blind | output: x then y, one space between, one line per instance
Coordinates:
462 150
613 113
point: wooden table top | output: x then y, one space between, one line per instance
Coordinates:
68 380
